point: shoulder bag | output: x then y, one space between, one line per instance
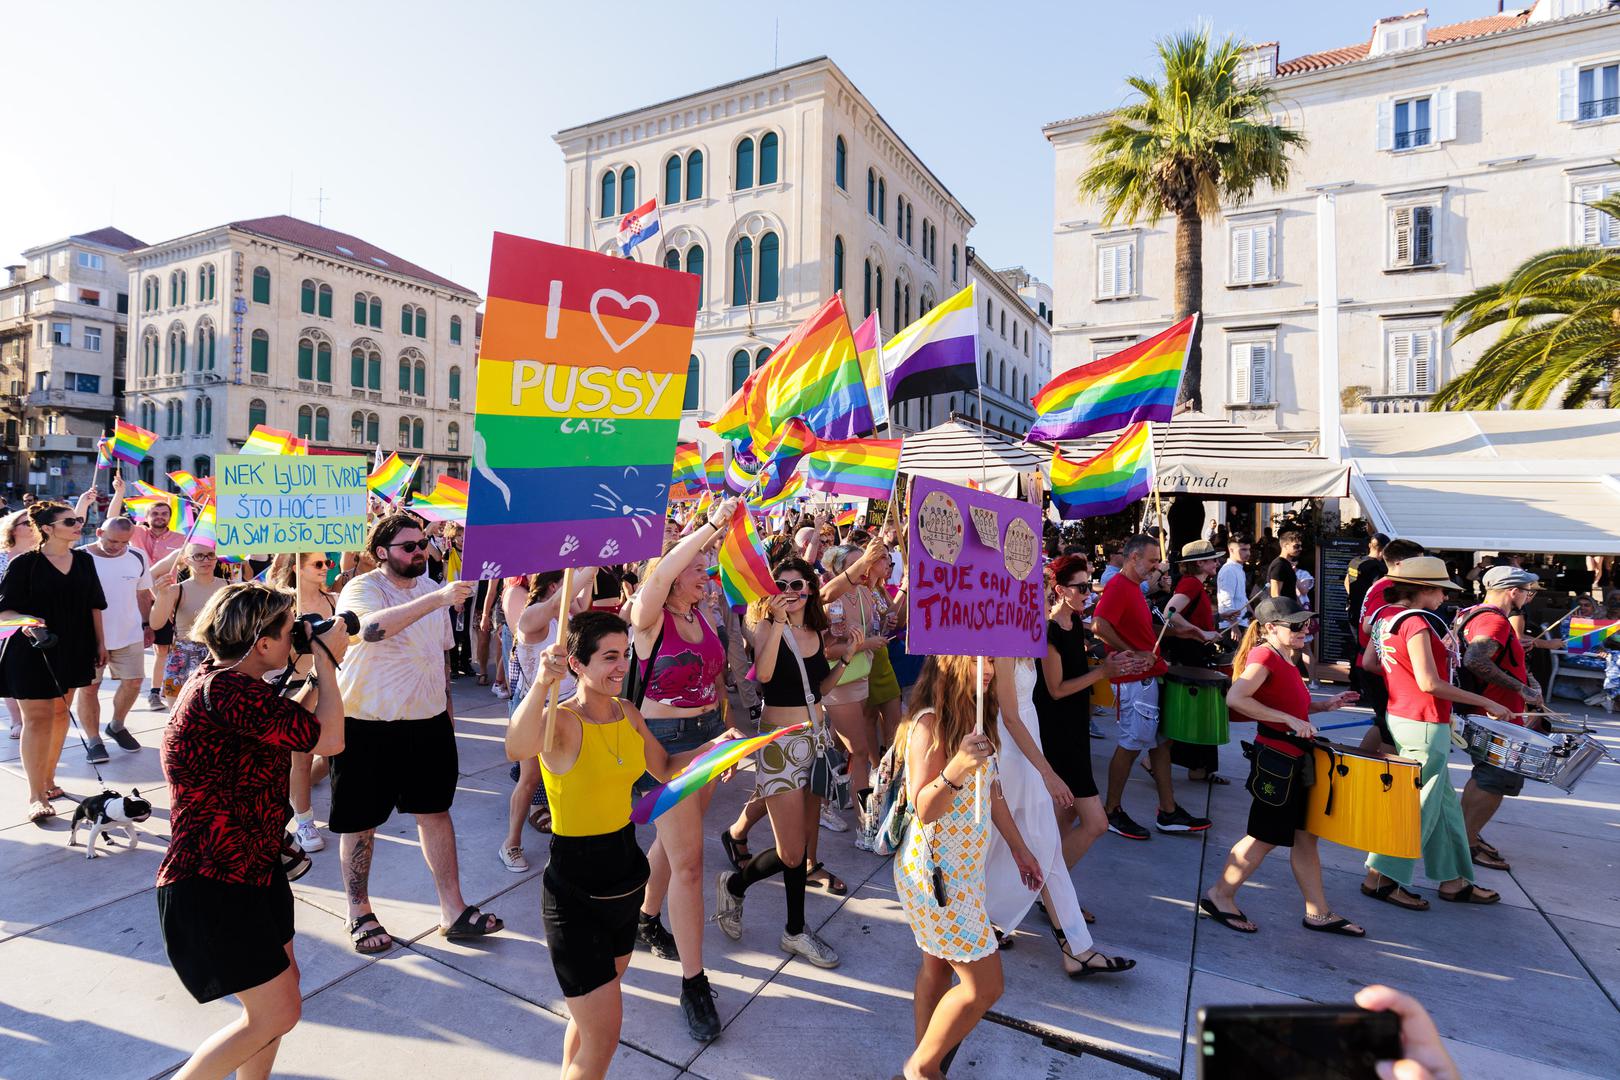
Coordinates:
829 772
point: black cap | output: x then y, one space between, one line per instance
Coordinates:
1282 609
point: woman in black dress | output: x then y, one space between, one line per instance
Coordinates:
57 583
1063 704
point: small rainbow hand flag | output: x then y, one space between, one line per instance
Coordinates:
1107 483
1138 383
268 440
131 444
388 479
704 770
1588 635
861 468
104 457
745 575
446 502
714 471
197 489
847 517
146 496
776 495
14 623
688 464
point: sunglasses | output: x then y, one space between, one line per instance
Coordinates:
319 564
796 585
68 522
412 545
1083 583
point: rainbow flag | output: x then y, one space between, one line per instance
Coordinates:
146 496
745 575
264 439
14 623
130 443
194 488
688 464
1107 483
785 491
104 455
847 517
388 480
938 353
714 471
815 374
703 770
446 502
792 441
863 468
869 348
1138 383
199 529
1589 635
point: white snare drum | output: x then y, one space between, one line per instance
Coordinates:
1560 760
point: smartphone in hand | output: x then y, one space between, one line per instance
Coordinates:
1296 1042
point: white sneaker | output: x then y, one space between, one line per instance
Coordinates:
727 908
832 820
500 691
309 838
154 700
512 858
811 947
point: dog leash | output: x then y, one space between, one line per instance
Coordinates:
78 729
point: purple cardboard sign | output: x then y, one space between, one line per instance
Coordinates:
969 597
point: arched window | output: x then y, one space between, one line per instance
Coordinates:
871 192
359 309
989 317
259 353
693 373
202 465
1001 382
306 296
742 271
767 158
306 421
323 425
452 437
256 413
838 263
374 370
953 263
840 163
908 307
206 282
324 301
899 217
770 251
306 360
404 375
627 189
953 403
760 356
740 366
694 266
672 179
455 329
1003 324
866 287
417 431
672 259
894 313
455 385
406 322
375 313
421 322
883 200
323 363
205 347
404 433
877 291
357 368
989 367
419 379
261 285
909 238
373 427
694 175
610 194
357 428
745 165
177 351
197 404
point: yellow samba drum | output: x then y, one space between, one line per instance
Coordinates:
1366 801
1102 693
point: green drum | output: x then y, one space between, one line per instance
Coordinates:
1194 707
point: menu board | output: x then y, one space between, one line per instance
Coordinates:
1334 643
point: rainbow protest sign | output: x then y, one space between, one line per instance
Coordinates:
581 378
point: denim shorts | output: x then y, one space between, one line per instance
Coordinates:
1138 705
678 735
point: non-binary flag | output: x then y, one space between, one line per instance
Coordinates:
937 354
1138 383
131 443
745 573
738 479
861 468
869 347
1107 483
638 225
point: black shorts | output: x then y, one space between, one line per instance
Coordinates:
164 635
1276 825
223 938
1494 780
388 765
1375 695
590 897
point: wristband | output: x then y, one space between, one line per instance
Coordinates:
947 782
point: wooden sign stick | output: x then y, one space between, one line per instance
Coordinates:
566 591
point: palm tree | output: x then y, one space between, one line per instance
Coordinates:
1199 138
1559 313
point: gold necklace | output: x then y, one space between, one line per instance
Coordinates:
617 756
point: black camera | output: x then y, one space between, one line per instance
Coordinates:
310 627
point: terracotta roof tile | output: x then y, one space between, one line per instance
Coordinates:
341 246
111 237
1437 35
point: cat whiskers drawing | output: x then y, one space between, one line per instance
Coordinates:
641 518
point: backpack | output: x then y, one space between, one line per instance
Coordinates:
1466 679
888 809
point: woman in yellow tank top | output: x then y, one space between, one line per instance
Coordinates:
592 890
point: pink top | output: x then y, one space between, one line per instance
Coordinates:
685 675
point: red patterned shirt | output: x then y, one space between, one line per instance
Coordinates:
226 753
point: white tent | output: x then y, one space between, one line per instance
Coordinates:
1206 455
1534 480
960 451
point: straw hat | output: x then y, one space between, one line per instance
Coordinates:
1197 551
1424 570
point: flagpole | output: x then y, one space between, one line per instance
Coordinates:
566 591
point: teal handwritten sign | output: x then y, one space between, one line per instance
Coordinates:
281 503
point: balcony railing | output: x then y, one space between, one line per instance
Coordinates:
1593 108
1406 140
1396 403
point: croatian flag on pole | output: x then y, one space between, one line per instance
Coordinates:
638 225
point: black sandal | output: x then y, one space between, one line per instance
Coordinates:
1470 895
736 850
833 884
1484 855
1340 925
1111 965
1388 891
366 927
1228 919
472 923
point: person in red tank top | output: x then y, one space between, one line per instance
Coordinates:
1374 694
1269 691
1494 656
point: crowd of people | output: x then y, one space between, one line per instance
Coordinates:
279 672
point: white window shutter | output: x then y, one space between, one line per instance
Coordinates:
1105 271
1400 363
1260 373
1566 93
1445 114
1588 218
1401 247
1423 362
1386 125
1265 255
1242 374
1127 269
1242 254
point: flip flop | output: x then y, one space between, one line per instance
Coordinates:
1341 926
472 923
1387 892
364 928
1484 856
1470 895
834 884
1228 919
55 792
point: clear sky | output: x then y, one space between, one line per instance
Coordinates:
428 125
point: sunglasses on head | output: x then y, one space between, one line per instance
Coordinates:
409 546
796 585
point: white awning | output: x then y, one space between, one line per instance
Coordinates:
958 452
1206 455
1536 480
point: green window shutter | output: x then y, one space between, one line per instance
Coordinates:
419 384
455 330
404 376
371 428
357 369
694 175
325 302
745 165
767 158
359 309
374 371
672 180
323 426
261 285
455 384
692 373
306 360
306 298
376 313
323 363
305 424
405 319
421 322
769 252
255 413
259 357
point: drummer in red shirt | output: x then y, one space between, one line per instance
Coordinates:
1374 693
1122 621
1494 665
1269 691
1189 641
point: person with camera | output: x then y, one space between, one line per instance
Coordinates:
400 740
224 904
56 583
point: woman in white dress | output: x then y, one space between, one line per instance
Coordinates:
1033 791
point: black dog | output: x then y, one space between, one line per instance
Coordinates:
108 811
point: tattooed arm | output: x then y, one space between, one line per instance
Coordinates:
377 625
1480 659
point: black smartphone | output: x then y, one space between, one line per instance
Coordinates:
939 887
1295 1042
